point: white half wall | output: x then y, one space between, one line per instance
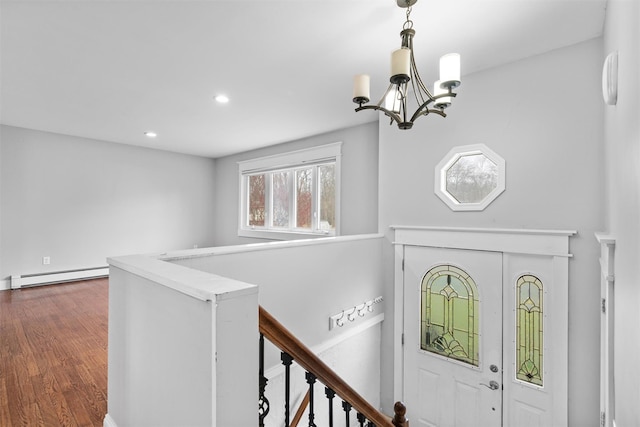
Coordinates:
183 347
302 284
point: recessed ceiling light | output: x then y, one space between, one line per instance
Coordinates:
151 134
222 99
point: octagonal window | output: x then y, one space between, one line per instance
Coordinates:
470 177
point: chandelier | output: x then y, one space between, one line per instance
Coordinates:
405 81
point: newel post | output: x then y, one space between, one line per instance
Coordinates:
399 419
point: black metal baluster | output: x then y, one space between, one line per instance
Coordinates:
263 402
347 408
286 361
371 424
311 379
330 395
361 419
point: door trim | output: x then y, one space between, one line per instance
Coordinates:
552 243
517 241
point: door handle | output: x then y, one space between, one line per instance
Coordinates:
493 385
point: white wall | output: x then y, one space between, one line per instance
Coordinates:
543 115
622 142
359 182
302 284
78 201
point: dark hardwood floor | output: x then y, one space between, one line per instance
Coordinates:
53 355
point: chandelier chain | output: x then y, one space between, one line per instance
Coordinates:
408 23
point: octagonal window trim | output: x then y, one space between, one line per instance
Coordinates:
451 159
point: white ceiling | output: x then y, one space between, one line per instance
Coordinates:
111 70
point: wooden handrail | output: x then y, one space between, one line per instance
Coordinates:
282 338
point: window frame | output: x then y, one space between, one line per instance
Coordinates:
292 161
441 169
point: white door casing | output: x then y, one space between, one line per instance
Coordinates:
607 356
540 253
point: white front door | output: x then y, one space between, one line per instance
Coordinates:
453 337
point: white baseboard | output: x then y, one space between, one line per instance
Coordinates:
108 421
18 282
5 284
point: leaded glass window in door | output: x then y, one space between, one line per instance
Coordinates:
529 329
450 310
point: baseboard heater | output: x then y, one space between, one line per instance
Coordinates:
51 278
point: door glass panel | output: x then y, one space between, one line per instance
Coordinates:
449 314
529 331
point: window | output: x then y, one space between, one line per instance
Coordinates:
470 177
449 314
529 330
292 194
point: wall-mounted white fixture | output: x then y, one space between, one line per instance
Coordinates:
610 79
352 313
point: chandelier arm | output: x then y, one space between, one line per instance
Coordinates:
416 79
417 92
396 118
422 89
438 112
423 110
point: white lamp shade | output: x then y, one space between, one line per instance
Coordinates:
400 62
450 70
361 84
443 102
